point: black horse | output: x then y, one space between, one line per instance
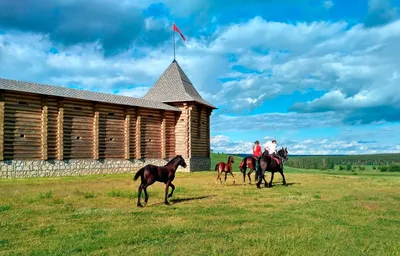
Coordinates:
152 173
269 163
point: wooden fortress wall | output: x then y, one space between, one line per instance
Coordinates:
50 136
38 127
47 136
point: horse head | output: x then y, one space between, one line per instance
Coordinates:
230 160
178 160
283 152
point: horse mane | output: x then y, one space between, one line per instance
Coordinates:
172 160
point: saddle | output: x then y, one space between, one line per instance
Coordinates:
276 159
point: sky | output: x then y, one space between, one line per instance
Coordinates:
319 76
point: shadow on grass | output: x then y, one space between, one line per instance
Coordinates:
180 200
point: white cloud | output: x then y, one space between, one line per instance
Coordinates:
310 147
356 67
328 4
153 23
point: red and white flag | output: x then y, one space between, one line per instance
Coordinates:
175 28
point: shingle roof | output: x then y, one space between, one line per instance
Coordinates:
175 86
59 91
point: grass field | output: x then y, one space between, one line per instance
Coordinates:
319 213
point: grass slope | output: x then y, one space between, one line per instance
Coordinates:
318 214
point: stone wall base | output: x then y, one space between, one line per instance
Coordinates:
56 168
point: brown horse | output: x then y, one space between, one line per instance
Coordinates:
226 168
248 162
152 173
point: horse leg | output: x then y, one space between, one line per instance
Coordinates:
272 177
139 194
226 174
259 176
219 177
173 188
234 180
248 175
265 182
283 177
146 196
244 176
166 192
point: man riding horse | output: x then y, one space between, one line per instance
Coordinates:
271 147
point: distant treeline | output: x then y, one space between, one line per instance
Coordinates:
329 161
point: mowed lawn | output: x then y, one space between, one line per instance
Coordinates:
319 213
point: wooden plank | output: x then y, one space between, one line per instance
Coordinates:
127 134
96 132
60 131
44 128
1 125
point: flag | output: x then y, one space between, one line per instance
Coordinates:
175 28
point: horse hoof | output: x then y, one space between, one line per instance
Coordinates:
139 205
169 196
167 203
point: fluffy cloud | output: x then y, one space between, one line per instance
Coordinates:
308 146
221 143
275 121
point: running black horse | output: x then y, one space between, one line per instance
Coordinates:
271 164
152 173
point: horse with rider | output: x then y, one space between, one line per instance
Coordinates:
271 160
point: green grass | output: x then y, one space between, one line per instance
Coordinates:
319 213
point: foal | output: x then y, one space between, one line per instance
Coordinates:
152 173
226 168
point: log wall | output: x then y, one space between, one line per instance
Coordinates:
199 131
150 130
22 126
35 127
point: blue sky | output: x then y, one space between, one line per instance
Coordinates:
321 77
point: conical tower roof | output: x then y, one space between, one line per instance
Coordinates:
175 86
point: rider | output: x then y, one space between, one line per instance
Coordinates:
271 147
257 152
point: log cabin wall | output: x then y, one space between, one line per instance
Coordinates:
170 123
39 127
199 131
22 126
181 136
111 132
150 131
78 135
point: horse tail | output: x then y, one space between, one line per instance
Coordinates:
139 173
216 167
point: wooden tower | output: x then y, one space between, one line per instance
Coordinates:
192 128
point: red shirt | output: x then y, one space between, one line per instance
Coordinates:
257 150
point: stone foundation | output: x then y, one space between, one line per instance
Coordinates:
200 164
55 168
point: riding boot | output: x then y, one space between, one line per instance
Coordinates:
257 165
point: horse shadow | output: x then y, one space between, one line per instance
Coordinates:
180 200
289 184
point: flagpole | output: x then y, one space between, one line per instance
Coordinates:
173 37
